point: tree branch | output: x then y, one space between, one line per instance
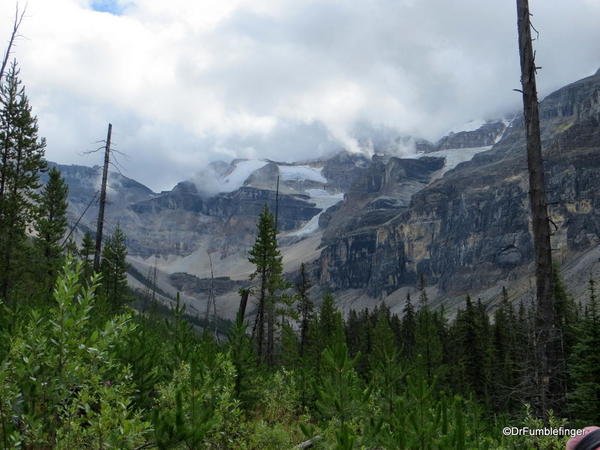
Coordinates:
16 24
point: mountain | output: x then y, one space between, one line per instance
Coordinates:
468 231
455 212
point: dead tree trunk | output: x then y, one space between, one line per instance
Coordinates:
211 301
259 322
538 205
100 225
14 34
244 293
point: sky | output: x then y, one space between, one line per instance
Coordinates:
185 82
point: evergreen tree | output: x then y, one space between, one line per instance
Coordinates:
305 307
565 315
52 223
383 336
408 329
384 360
290 347
471 325
427 338
339 390
269 270
70 248
354 332
114 269
244 361
331 324
504 354
88 247
21 160
584 400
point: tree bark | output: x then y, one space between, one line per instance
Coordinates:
538 205
100 226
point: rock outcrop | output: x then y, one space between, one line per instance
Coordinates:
488 134
469 229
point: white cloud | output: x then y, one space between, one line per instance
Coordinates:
185 82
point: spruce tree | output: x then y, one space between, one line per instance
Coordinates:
504 354
386 371
427 337
331 324
408 330
51 224
114 269
269 270
88 246
21 161
244 361
305 307
565 315
584 400
472 340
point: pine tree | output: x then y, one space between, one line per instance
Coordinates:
290 347
21 161
244 361
408 329
331 324
504 343
339 390
269 270
384 360
51 224
305 307
472 348
427 337
114 269
88 246
565 315
584 400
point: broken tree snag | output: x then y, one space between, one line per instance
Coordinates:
100 225
14 34
546 351
244 293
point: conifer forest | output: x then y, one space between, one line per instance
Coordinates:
473 323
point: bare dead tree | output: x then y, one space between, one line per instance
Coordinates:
100 224
277 205
19 15
539 211
211 301
244 294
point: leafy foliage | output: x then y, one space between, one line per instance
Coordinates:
61 384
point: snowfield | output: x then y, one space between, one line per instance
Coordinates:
243 169
471 125
455 156
302 173
323 200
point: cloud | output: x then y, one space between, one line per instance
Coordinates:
188 82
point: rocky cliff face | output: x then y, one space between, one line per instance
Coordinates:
488 134
470 229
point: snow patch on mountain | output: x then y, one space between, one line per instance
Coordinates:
323 200
455 156
302 173
471 125
240 173
215 178
506 123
